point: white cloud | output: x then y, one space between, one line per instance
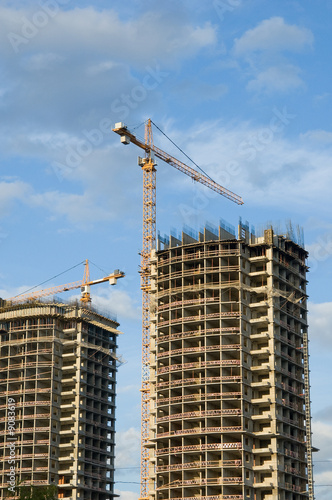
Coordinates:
60 78
128 448
322 433
258 163
277 78
126 495
199 37
80 209
261 165
88 31
6 293
47 61
128 388
105 193
273 35
90 207
320 137
321 98
119 301
322 493
322 439
11 192
264 48
321 249
324 415
320 320
101 67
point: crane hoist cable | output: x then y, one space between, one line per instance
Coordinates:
50 279
181 150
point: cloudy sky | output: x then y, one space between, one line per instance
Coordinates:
243 86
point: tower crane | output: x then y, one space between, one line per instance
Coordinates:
84 285
149 239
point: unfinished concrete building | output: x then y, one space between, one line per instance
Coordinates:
57 376
230 406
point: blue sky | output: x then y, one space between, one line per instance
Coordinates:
244 87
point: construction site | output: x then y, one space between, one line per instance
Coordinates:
225 411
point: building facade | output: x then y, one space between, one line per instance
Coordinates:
230 405
57 399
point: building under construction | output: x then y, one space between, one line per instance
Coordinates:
230 405
57 399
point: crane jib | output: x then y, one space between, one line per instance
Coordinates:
127 137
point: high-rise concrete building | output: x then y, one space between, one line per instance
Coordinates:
57 399
230 405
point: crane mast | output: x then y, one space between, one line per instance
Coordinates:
149 242
149 239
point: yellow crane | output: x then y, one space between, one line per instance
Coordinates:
83 284
149 238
